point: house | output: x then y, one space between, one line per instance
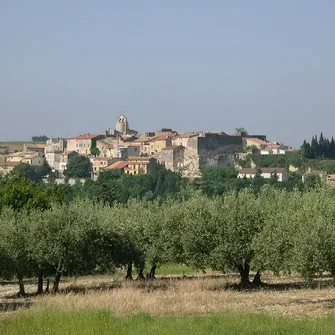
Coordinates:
28 147
266 173
140 165
126 150
135 165
159 143
144 143
107 147
55 145
31 158
255 142
274 148
63 160
53 152
119 165
83 143
273 151
100 163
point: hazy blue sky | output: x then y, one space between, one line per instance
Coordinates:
69 67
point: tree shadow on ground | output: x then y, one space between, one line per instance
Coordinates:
166 282
13 305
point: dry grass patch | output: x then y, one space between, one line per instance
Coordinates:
179 297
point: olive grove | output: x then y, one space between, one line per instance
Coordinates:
274 230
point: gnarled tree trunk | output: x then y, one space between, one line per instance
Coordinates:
129 272
56 281
152 272
140 274
40 280
47 288
244 271
257 280
21 285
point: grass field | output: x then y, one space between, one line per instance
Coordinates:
202 305
97 321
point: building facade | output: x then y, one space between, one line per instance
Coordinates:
82 144
265 173
173 157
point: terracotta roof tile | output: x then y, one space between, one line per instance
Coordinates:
35 146
118 165
84 137
256 140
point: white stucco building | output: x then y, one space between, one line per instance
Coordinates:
266 173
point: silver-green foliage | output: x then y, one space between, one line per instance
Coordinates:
274 230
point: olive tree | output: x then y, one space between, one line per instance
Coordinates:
66 238
14 240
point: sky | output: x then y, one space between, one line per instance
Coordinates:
71 66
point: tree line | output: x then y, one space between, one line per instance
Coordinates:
320 148
39 138
274 230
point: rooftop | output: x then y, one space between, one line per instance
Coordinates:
159 138
142 139
172 147
264 170
118 165
35 146
9 163
101 159
141 159
256 140
87 136
187 134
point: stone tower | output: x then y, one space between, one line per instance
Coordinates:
122 125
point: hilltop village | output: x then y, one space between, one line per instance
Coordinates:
125 149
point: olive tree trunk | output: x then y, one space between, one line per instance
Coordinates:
257 280
152 272
21 285
40 280
47 287
129 272
57 281
140 274
244 271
